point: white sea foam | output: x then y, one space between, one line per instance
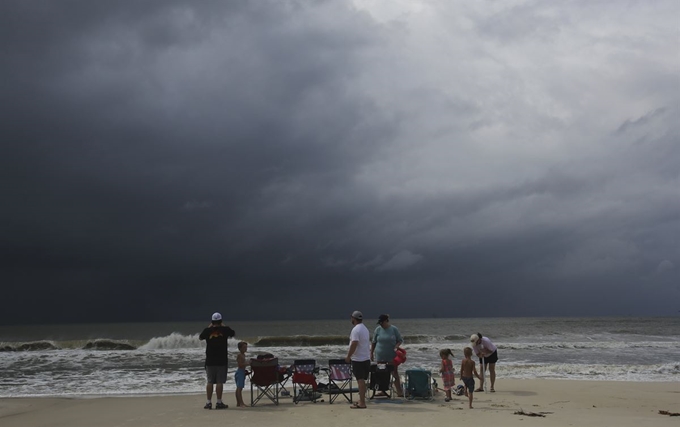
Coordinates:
611 345
174 340
644 373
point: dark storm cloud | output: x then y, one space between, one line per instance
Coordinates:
166 159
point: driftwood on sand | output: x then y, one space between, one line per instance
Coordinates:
532 414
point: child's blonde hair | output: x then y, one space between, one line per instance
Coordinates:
444 353
467 351
242 344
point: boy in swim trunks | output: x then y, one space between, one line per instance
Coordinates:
240 375
467 370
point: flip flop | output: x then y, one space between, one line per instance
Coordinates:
355 406
479 389
492 391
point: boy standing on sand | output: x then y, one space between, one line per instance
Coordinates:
467 370
240 375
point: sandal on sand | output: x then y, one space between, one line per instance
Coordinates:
492 391
356 406
479 389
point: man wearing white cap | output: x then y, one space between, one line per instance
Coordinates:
359 354
216 358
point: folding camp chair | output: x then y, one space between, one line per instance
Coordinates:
266 377
419 384
381 379
304 381
339 380
284 374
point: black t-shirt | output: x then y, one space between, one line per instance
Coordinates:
216 344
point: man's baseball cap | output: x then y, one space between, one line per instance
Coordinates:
357 315
216 317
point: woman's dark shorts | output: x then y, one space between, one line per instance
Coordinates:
361 369
493 358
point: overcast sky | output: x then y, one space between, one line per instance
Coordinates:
162 160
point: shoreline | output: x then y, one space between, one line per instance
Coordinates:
562 402
228 392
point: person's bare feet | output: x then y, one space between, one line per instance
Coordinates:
243 405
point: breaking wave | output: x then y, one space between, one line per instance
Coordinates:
180 341
97 344
29 346
172 341
108 345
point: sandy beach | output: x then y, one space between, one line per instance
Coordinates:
562 402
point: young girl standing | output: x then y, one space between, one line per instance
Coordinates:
448 375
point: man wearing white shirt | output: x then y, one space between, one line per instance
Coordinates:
359 354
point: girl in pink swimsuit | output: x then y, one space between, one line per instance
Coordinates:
448 374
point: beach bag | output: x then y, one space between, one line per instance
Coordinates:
400 357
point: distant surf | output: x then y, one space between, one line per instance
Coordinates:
158 358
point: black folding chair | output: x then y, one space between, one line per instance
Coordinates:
381 379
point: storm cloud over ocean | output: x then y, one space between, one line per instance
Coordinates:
288 159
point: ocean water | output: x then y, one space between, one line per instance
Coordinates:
166 358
